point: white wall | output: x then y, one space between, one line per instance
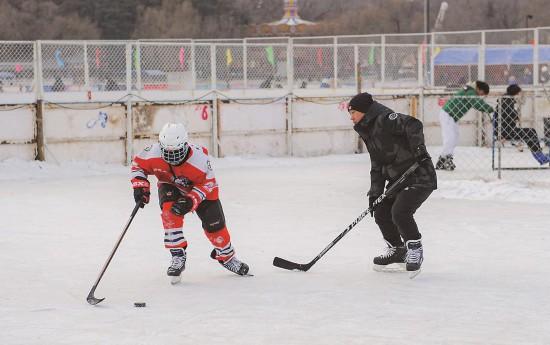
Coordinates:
83 133
17 133
320 126
253 128
149 119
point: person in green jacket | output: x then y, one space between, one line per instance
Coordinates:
455 108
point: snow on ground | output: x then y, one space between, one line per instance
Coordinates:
485 278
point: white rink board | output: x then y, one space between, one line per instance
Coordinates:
255 144
17 134
316 115
65 124
17 125
253 129
25 152
85 134
94 151
252 117
320 126
149 119
321 143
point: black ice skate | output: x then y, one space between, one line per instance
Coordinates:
450 164
445 163
393 260
177 265
234 265
440 165
414 257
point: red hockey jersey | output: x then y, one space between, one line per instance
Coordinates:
195 175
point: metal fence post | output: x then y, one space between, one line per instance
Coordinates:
137 61
38 71
499 142
245 63
536 57
86 68
383 59
216 126
432 67
129 67
289 124
129 131
357 69
481 58
420 67
290 64
213 71
335 62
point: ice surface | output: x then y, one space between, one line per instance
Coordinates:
485 279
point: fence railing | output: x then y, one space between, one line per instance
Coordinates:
40 69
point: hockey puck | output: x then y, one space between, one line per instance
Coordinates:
139 304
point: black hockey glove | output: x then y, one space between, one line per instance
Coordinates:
141 191
183 206
421 154
372 205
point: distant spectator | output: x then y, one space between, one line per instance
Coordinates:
507 120
527 77
266 84
111 85
455 108
58 85
544 76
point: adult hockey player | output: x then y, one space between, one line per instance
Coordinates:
508 117
186 184
453 110
395 142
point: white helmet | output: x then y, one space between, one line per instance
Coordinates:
173 143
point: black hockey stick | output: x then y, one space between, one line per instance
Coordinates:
289 265
91 298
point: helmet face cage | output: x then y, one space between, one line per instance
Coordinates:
176 156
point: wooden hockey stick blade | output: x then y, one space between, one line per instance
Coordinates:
289 265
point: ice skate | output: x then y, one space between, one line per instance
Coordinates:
445 163
414 257
541 157
177 266
234 265
393 260
450 165
440 165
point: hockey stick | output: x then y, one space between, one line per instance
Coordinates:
91 298
289 265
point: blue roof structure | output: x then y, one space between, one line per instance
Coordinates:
517 55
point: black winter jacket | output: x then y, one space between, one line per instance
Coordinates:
394 142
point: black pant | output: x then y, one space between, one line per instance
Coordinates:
210 212
394 215
528 135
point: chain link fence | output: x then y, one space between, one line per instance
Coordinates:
434 60
17 68
62 66
435 63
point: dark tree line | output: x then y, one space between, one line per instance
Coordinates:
125 19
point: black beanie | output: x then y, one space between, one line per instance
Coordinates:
513 90
361 102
